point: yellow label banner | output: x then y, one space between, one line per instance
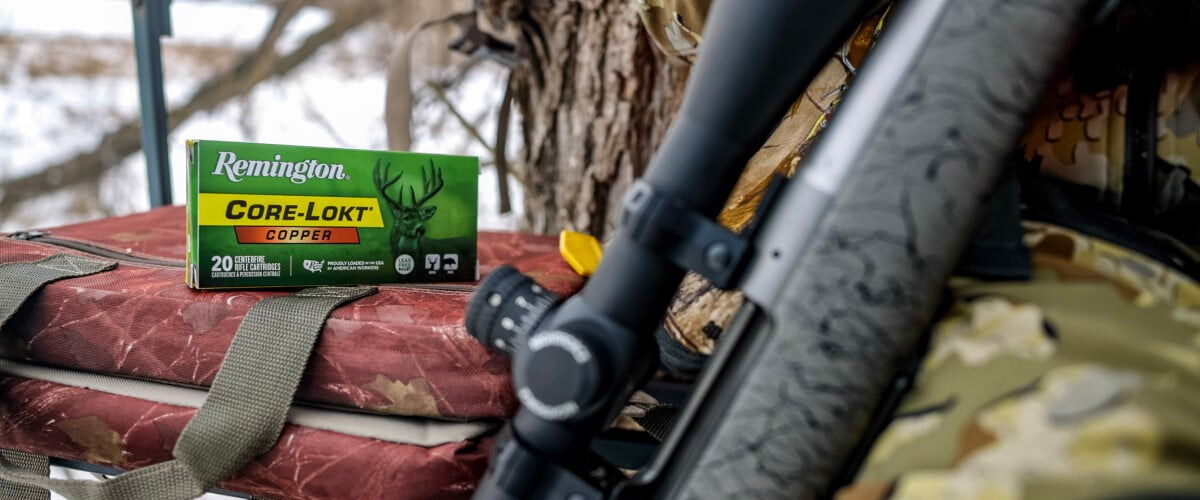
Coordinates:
220 209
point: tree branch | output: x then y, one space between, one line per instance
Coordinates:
500 153
264 55
125 140
440 93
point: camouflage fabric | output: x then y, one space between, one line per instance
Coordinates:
1076 136
674 25
405 351
700 312
1079 137
1078 383
76 423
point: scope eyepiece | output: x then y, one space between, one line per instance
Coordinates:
507 308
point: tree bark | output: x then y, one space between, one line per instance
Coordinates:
595 98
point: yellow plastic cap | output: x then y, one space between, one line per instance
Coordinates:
581 251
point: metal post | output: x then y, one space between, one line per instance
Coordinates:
151 21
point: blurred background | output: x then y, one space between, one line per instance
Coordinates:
307 72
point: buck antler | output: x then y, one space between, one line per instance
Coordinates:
431 184
379 178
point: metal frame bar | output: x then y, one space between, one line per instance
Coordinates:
151 22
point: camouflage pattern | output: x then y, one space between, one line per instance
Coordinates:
403 351
1079 137
1078 383
700 312
674 25
81 424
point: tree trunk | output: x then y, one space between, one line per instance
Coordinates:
595 98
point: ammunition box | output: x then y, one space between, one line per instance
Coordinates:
266 215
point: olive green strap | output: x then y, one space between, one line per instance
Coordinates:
37 464
250 397
245 409
19 280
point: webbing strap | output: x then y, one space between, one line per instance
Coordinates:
245 409
657 420
250 397
36 464
19 280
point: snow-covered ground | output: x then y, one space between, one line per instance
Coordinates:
69 78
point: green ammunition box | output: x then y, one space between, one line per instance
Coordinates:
263 215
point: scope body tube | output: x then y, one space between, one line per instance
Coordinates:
758 56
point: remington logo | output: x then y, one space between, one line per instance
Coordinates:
299 172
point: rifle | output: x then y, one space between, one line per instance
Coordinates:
841 272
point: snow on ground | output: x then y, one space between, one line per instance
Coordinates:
48 113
